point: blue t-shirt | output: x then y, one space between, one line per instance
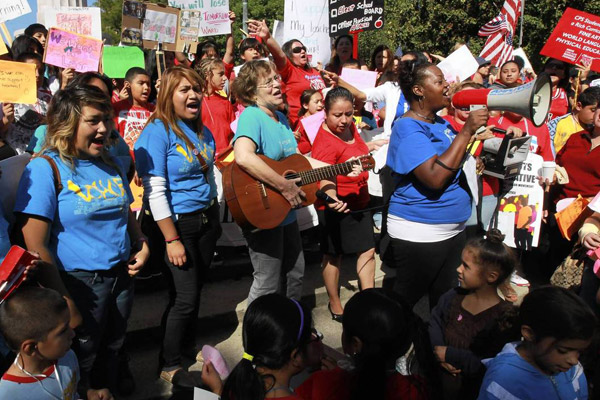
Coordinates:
412 143
273 139
163 154
4 239
89 216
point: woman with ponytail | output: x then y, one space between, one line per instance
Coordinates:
275 335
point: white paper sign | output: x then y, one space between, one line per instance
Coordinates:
308 21
359 79
160 26
201 394
11 9
187 4
214 19
521 53
278 31
12 169
524 201
82 20
595 203
460 63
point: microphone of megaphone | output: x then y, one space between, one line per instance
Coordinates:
532 100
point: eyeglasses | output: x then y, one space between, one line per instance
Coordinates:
298 50
271 82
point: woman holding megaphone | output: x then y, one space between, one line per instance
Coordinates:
430 202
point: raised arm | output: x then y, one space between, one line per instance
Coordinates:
228 57
331 78
260 29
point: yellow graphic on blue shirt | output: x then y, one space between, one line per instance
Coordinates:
70 391
100 194
205 151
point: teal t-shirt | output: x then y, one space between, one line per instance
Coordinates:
164 154
4 239
273 139
88 217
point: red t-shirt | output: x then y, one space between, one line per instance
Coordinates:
304 145
337 384
559 105
582 165
130 120
296 81
217 116
329 148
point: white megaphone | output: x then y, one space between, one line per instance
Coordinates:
532 100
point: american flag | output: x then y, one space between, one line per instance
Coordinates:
500 31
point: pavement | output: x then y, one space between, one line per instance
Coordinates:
222 307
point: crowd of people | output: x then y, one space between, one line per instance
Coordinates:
93 138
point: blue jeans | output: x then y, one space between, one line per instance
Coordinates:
104 299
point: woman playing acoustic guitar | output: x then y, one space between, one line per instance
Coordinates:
264 130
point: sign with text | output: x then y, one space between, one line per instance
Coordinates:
11 9
187 4
160 27
214 18
576 39
116 61
147 24
17 83
460 63
307 21
69 50
349 16
82 20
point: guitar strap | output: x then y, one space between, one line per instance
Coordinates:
203 164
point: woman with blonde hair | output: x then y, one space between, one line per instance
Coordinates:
73 209
174 157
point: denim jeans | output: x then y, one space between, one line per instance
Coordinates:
104 299
278 261
198 233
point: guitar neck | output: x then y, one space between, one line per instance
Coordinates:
314 175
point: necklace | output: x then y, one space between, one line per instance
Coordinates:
432 119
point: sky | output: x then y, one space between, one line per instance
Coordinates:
25 20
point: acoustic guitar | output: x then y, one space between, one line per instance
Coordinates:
254 204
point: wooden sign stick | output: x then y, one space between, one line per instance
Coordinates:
6 33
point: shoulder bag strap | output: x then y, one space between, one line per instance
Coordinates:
57 181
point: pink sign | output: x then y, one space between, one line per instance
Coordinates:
358 78
312 124
69 50
79 23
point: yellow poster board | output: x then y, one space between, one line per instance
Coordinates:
17 82
3 49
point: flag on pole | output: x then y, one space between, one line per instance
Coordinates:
500 32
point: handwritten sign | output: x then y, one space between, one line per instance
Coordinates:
187 4
346 16
116 61
3 49
359 79
307 21
576 39
460 63
189 25
82 20
160 27
312 124
17 83
69 50
11 9
215 18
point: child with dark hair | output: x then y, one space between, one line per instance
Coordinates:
38 32
556 327
387 351
468 316
276 334
311 102
35 324
581 117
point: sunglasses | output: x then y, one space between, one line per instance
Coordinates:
297 50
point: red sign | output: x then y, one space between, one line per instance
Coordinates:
576 39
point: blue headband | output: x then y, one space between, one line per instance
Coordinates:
301 319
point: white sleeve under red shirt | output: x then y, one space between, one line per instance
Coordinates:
130 120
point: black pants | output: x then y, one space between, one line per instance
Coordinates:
199 233
425 268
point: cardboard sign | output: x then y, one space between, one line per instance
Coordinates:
69 50
160 27
570 218
3 49
116 61
349 16
215 18
146 24
306 20
17 82
359 79
189 25
82 20
11 9
576 39
460 63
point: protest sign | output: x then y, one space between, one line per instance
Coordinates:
187 4
312 124
359 79
82 20
307 21
116 61
521 53
69 50
460 63
17 83
3 49
215 18
159 27
350 16
575 39
523 202
146 24
12 169
278 31
189 25
11 9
